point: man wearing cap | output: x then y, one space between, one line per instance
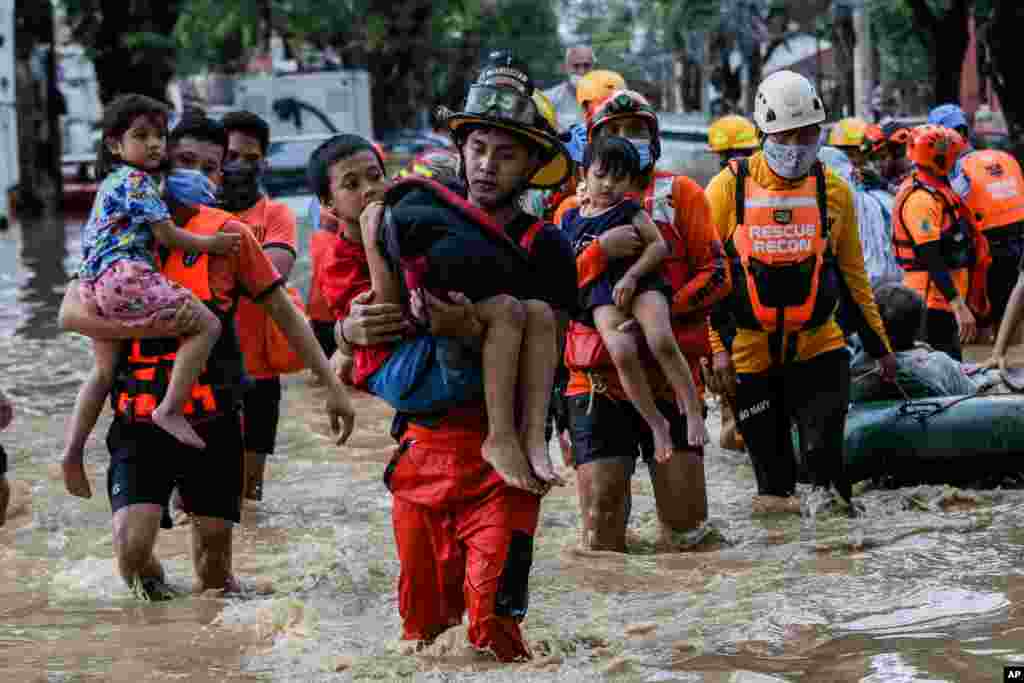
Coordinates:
464 536
579 60
992 186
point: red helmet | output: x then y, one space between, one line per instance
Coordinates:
436 163
624 104
935 149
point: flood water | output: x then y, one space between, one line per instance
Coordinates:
927 586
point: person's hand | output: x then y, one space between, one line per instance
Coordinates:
621 241
6 411
455 319
965 321
368 324
995 361
185 322
224 243
887 366
725 373
340 412
369 220
624 291
341 366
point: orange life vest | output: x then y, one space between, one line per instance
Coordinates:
145 367
996 198
962 244
783 271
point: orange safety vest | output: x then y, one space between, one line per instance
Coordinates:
144 369
583 345
783 270
996 198
962 244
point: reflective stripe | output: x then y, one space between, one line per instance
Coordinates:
770 202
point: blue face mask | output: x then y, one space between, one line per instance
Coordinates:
191 188
643 148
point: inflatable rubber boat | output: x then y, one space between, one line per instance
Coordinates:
954 439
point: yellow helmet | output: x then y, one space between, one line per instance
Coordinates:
732 132
546 110
597 85
848 132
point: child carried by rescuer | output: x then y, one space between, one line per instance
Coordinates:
120 279
425 374
632 292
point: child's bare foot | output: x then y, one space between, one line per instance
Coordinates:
177 426
75 480
664 449
696 432
5 497
509 461
542 466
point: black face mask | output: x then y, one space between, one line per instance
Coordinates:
242 186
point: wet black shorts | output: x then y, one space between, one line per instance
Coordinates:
3 461
146 463
261 414
324 332
614 429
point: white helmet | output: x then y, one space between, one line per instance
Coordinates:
786 101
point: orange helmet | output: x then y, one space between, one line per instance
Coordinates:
848 132
623 104
876 136
935 149
597 85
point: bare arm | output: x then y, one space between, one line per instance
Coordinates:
282 259
170 235
280 308
656 251
1011 319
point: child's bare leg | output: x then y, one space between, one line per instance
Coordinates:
537 366
652 312
188 365
387 287
505 319
88 406
622 347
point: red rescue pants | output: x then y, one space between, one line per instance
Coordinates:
465 541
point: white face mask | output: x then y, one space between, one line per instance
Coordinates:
790 161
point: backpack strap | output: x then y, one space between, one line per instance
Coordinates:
526 241
742 170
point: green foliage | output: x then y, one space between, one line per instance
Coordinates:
901 44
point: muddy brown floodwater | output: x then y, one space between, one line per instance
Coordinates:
927 586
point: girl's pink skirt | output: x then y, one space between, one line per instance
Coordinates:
134 294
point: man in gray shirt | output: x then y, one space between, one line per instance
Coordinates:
578 61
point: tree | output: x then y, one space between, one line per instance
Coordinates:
998 41
138 59
945 35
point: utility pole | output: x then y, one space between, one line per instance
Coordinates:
863 62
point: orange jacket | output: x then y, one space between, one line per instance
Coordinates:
996 198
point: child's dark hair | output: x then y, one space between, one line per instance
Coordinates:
199 127
617 156
118 117
331 152
250 124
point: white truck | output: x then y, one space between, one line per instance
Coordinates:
8 112
307 103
